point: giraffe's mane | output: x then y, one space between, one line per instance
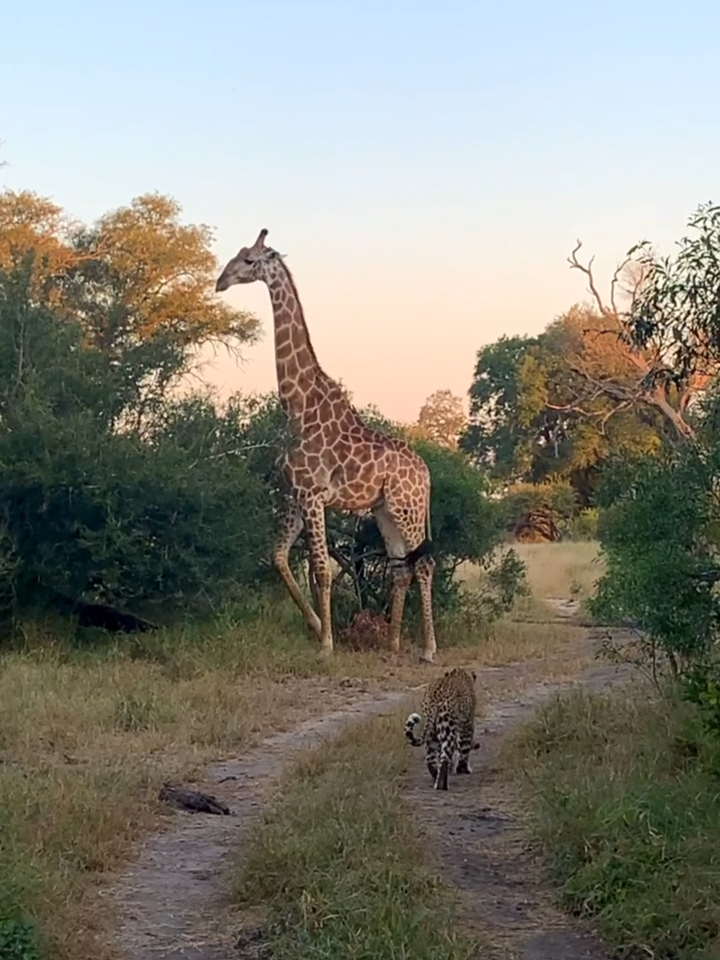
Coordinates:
330 381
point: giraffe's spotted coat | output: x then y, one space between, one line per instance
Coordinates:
339 462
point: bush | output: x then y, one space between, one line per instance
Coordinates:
18 939
585 525
657 533
540 511
109 489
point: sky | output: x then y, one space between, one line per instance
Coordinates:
426 167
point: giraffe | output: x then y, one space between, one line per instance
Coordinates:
339 463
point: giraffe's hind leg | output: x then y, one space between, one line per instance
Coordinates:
401 573
424 571
403 529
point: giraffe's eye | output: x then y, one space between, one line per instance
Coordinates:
249 262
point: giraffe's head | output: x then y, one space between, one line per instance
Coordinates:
248 265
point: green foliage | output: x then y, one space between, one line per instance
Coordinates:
701 686
624 800
677 312
556 406
503 580
658 535
110 490
555 499
496 407
467 527
18 939
585 525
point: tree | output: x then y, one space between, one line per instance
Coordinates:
619 375
493 436
136 274
92 512
34 226
441 420
526 420
658 303
675 315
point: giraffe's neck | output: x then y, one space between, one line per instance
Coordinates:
296 364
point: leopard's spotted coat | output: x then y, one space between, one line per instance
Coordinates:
449 709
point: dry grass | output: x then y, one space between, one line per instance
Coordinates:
566 570
87 735
86 738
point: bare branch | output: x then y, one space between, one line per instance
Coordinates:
587 270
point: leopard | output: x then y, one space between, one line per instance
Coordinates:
449 707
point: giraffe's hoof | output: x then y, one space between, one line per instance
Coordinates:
325 653
426 659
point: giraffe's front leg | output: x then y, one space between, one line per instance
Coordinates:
292 525
313 514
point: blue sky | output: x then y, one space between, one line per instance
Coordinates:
426 167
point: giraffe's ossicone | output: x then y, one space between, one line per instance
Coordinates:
339 463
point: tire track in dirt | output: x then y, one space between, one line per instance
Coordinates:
481 844
173 901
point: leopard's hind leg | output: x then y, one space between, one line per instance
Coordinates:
431 756
447 736
465 746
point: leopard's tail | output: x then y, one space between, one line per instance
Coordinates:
410 724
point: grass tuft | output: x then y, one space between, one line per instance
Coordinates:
337 865
625 798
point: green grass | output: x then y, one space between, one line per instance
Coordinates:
625 799
335 863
